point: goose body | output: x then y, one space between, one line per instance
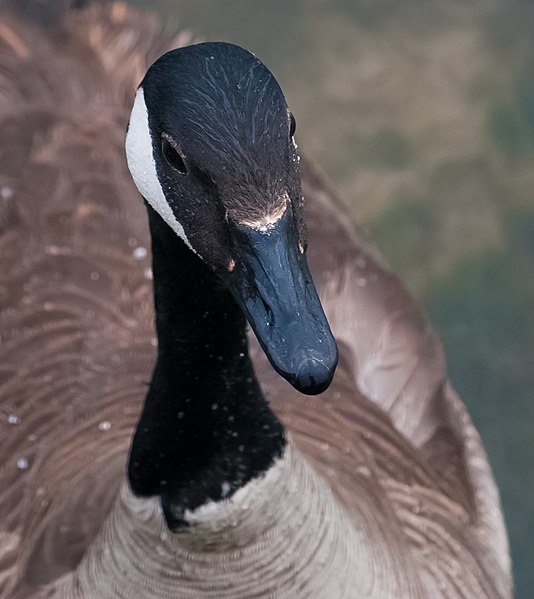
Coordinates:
378 487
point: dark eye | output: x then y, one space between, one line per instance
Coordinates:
292 125
172 156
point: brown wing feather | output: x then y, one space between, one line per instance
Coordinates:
77 341
419 439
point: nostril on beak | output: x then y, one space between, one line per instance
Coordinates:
268 312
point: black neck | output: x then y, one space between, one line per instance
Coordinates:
206 429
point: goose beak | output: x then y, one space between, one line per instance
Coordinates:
274 287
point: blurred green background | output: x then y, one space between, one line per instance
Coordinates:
422 114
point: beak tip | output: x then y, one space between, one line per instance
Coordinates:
313 376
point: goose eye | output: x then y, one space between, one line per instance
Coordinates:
292 125
172 156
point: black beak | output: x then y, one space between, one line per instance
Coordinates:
273 285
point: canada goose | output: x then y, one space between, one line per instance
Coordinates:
379 487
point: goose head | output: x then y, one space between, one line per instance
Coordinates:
210 146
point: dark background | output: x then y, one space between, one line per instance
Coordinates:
422 114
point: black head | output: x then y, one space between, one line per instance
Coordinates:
210 146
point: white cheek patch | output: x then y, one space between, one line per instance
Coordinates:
140 156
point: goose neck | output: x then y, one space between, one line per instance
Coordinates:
206 428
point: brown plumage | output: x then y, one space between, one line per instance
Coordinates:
404 462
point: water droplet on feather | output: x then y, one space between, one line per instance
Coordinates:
22 463
6 192
140 253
